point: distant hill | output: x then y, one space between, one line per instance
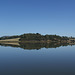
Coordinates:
35 37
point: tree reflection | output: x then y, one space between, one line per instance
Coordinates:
37 46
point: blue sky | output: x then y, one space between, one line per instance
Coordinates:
37 16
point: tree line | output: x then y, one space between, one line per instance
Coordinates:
36 37
39 37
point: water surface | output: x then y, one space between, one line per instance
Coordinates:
42 61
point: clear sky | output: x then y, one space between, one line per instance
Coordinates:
37 16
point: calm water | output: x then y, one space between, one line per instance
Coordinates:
45 61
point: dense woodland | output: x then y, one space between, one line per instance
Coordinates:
36 37
39 37
33 36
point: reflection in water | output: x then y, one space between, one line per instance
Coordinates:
36 46
15 61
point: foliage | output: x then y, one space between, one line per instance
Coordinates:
39 37
36 37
